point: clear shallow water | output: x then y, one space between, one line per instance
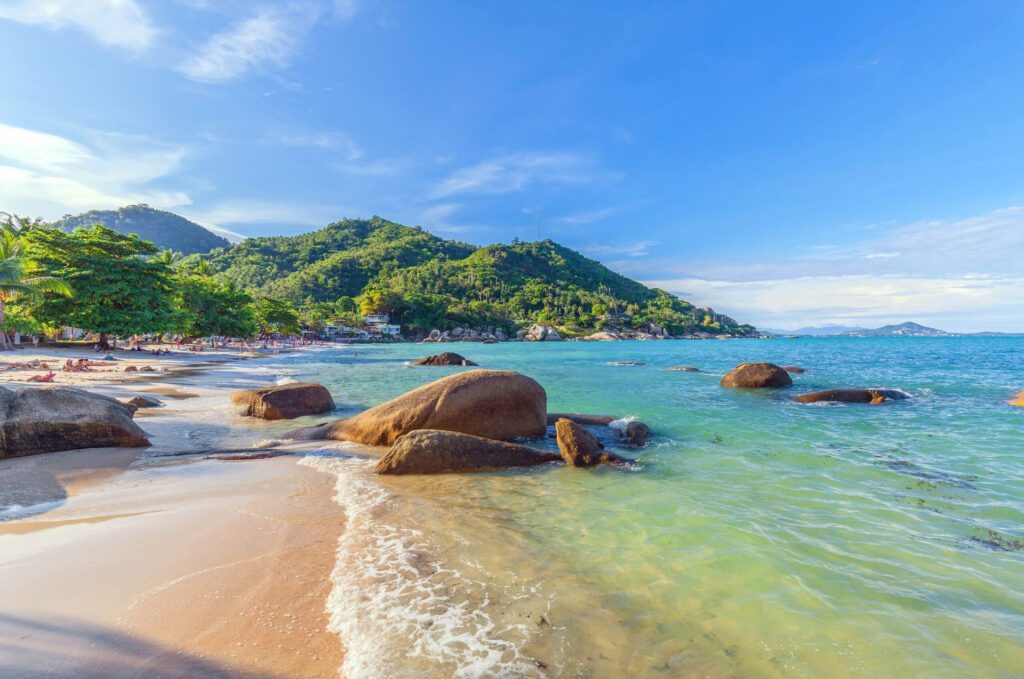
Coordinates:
759 538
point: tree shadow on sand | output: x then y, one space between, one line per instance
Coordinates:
62 647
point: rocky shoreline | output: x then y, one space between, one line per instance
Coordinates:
548 333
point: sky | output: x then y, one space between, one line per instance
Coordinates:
788 163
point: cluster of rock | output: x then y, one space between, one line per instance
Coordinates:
444 358
283 402
538 333
469 421
771 376
49 419
487 334
608 334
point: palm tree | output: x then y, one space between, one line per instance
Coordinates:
13 283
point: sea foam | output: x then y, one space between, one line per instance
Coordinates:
398 608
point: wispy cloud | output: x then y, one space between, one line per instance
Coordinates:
961 273
587 217
518 171
271 37
637 249
121 23
272 212
47 175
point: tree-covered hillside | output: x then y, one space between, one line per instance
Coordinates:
166 230
427 282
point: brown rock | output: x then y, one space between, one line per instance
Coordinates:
444 358
795 369
430 451
283 402
637 433
580 419
578 446
757 376
851 396
130 369
48 419
144 402
495 404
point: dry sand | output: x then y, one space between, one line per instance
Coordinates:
132 566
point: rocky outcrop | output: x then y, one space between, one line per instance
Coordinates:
495 404
579 447
487 334
852 396
602 336
144 402
445 358
48 419
430 451
283 402
539 333
757 376
636 433
580 419
609 334
682 369
794 369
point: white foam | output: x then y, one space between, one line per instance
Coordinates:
21 511
401 611
287 379
621 423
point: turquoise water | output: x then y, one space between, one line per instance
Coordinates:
757 538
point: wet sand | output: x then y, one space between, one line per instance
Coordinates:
117 563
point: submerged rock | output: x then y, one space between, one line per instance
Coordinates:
495 404
283 402
852 396
444 358
757 376
683 369
579 447
144 402
794 369
580 419
636 433
48 419
430 451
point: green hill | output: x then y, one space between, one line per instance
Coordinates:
427 282
166 230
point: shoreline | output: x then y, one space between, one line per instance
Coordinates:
126 562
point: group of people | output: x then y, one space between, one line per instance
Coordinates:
82 365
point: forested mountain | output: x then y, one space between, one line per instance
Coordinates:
166 230
427 282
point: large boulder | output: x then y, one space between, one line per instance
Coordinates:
283 402
542 333
430 451
445 358
579 447
757 376
852 396
636 433
48 419
495 404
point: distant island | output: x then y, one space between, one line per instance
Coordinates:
908 329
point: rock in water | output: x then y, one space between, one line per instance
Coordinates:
144 402
48 419
283 402
757 376
581 419
430 451
579 447
683 369
637 433
445 358
852 396
795 369
495 404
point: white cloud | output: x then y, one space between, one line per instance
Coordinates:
962 274
47 175
269 37
636 249
121 23
517 171
437 218
588 217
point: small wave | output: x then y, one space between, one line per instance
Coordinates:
394 604
287 379
621 423
24 511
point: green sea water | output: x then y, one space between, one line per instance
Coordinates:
755 537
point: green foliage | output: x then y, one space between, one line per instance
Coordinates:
274 315
212 307
426 282
165 229
119 288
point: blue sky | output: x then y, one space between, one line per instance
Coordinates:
788 163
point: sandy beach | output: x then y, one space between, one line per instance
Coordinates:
124 562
